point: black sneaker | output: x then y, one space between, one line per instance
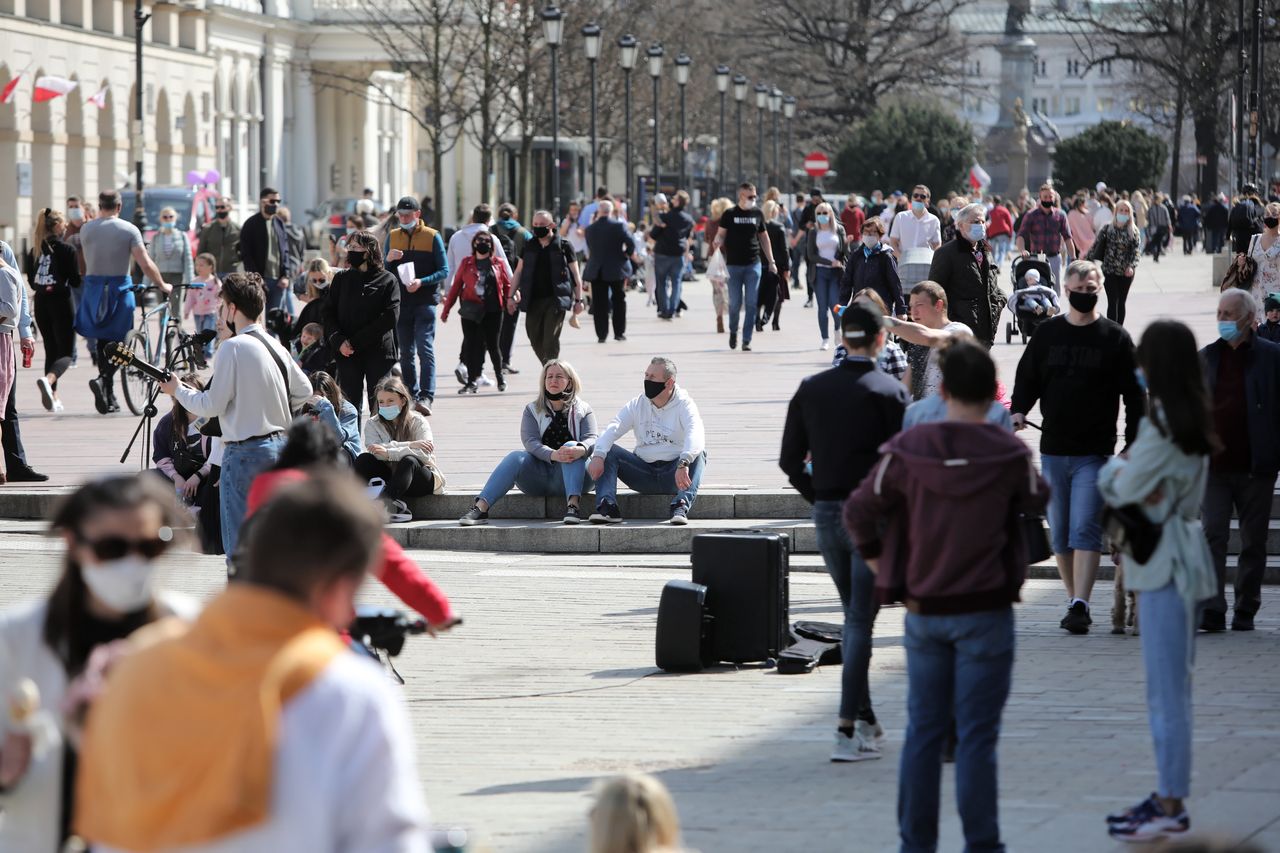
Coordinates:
619 337
100 400
506 368
679 513
733 340
1077 618
607 512
1240 622
746 347
26 475
1213 622
502 381
474 516
572 515
469 387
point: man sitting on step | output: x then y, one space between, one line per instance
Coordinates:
670 452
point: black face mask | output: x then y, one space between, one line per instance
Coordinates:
652 388
541 231
557 396
223 214
482 248
1270 221
1046 204
1082 302
270 209
355 258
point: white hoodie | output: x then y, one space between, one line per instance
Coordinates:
460 247
674 431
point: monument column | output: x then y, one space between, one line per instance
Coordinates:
1006 142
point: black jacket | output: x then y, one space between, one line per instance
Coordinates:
878 272
1262 391
813 260
561 278
363 307
671 235
59 274
1215 216
841 416
968 285
1244 221
253 245
609 246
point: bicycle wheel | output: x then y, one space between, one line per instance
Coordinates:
136 384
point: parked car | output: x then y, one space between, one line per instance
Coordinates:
329 220
194 207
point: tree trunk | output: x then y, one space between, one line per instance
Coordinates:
1176 166
524 165
1206 127
437 180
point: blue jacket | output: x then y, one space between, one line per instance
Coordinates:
609 245
1262 395
346 424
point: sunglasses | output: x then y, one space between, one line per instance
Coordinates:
752 197
222 208
318 282
116 547
920 196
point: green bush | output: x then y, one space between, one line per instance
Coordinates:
1125 156
900 144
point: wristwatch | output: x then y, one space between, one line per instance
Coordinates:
682 464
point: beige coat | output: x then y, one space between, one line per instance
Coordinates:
375 432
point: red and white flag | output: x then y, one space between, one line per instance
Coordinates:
98 98
978 177
48 88
10 89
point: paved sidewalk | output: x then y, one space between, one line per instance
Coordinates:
550 685
742 396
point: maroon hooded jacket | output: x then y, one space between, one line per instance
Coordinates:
940 511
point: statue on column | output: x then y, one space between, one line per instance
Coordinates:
1018 11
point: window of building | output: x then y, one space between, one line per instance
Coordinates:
1039 105
1073 67
1104 68
1072 105
1041 67
1106 105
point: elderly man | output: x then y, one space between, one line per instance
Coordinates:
1243 372
967 271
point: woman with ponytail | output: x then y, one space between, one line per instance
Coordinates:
55 271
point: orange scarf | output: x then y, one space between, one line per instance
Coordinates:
180 748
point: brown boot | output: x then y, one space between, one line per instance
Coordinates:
720 324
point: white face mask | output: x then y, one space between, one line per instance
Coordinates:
870 241
76 214
124 585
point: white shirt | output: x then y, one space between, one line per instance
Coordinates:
672 432
1102 216
828 244
246 392
924 232
460 247
345 777
932 372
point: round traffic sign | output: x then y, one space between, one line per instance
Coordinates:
816 164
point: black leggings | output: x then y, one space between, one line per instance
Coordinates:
610 297
358 376
56 320
1117 288
479 336
404 478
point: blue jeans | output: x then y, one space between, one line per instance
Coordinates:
205 322
957 667
856 586
241 462
668 271
1075 504
827 290
1168 654
417 335
743 282
1001 246
647 478
535 477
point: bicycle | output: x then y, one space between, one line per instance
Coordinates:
160 352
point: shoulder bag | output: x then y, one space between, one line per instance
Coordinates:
212 427
1131 532
1243 269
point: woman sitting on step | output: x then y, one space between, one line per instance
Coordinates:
558 431
398 450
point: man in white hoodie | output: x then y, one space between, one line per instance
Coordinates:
670 452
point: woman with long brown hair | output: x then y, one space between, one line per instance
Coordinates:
54 272
399 450
360 319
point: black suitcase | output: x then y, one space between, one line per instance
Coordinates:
683 643
745 573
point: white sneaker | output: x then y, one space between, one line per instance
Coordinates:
826 345
853 748
484 380
46 393
870 732
57 406
460 373
398 512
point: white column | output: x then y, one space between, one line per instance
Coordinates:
306 182
326 129
372 149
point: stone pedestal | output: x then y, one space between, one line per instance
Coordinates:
1006 142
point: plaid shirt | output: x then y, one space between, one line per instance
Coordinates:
1042 231
892 360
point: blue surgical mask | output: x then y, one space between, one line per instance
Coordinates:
977 231
1228 330
822 218
389 413
412 225
166 226
917 206
1122 219
1141 378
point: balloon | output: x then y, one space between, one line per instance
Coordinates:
212 176
194 177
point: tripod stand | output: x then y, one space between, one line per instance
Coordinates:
149 411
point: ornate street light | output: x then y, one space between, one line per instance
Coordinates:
553 31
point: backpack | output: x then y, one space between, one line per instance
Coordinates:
503 236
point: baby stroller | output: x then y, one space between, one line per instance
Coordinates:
1028 295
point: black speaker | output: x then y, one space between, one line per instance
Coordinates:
745 573
683 643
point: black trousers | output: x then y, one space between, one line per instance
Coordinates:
404 478
1250 496
15 457
1188 242
1117 288
507 336
609 297
359 375
106 368
56 320
481 336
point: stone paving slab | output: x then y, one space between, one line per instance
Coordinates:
550 685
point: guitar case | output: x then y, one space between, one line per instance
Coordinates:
813 644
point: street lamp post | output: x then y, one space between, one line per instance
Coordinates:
789 110
740 95
655 54
140 19
553 30
682 80
762 101
775 107
591 42
722 85
628 47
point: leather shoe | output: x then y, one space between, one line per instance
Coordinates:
26 475
1240 622
1213 622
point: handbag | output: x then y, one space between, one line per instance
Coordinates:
1035 537
1242 271
472 311
1131 532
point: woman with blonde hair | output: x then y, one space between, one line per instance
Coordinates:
55 272
171 250
318 275
1264 249
717 273
825 253
1117 247
634 813
558 431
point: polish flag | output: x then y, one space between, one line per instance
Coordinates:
48 88
98 98
10 89
978 177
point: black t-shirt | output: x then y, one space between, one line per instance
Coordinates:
487 285
742 230
557 434
543 287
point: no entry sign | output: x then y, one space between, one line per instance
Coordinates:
816 164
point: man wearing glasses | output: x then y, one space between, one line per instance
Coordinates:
264 247
915 234
221 238
743 240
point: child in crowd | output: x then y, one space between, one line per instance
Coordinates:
314 355
1035 297
1270 328
202 297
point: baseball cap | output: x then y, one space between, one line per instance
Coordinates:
408 203
860 323
898 193
1272 302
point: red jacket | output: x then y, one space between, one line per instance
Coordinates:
1000 221
464 284
398 571
940 512
852 218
